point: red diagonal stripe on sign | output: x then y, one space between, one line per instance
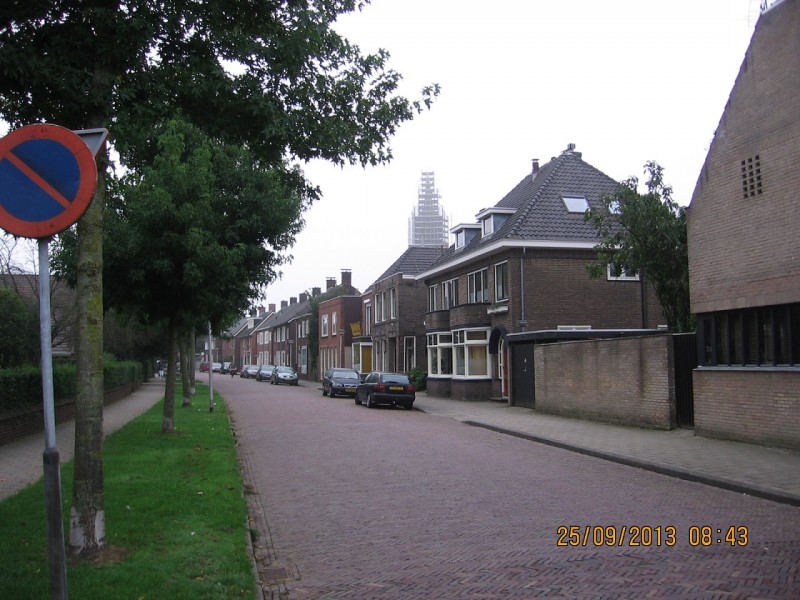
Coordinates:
37 179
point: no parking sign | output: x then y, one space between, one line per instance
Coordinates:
47 179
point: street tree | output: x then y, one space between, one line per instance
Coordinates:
646 233
274 76
198 232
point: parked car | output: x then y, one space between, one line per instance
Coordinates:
394 389
204 367
249 371
283 375
225 368
340 381
264 372
216 367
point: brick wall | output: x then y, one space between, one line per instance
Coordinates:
754 405
627 381
743 251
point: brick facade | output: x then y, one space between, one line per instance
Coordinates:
756 405
744 247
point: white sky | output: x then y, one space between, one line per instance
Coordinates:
625 80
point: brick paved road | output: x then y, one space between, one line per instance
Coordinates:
389 504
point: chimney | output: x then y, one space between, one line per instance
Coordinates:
260 311
534 168
303 296
347 278
284 304
330 282
272 308
316 291
293 300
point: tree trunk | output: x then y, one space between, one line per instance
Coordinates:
87 516
168 420
190 361
187 360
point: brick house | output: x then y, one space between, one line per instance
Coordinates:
286 335
521 268
337 310
396 304
744 247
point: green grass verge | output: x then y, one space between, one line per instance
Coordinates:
176 519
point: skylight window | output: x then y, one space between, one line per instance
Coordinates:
576 204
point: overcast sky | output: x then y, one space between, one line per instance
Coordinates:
627 81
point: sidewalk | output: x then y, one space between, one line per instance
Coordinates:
770 473
21 460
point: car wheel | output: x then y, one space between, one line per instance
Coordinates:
370 403
410 406
357 399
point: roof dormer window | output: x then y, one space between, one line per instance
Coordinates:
464 233
492 219
575 204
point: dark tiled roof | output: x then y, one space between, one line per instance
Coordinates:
413 261
540 211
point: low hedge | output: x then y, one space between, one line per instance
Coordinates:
21 388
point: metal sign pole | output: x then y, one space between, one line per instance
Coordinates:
210 370
52 470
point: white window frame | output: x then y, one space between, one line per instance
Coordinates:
467 342
334 330
450 293
393 303
324 328
432 297
440 355
627 275
473 295
498 297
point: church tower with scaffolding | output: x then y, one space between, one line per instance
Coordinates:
428 224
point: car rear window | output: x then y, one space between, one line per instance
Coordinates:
402 379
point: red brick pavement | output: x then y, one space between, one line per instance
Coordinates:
357 503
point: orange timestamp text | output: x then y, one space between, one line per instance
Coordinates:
650 535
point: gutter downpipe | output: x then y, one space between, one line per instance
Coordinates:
522 322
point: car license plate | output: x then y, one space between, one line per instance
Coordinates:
350 389
396 388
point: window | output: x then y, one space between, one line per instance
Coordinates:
761 336
450 293
575 204
477 287
368 318
625 275
501 282
440 354
461 239
393 303
488 226
432 298
334 331
324 325
471 353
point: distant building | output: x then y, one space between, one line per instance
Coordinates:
428 224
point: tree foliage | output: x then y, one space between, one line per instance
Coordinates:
646 232
19 330
270 76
